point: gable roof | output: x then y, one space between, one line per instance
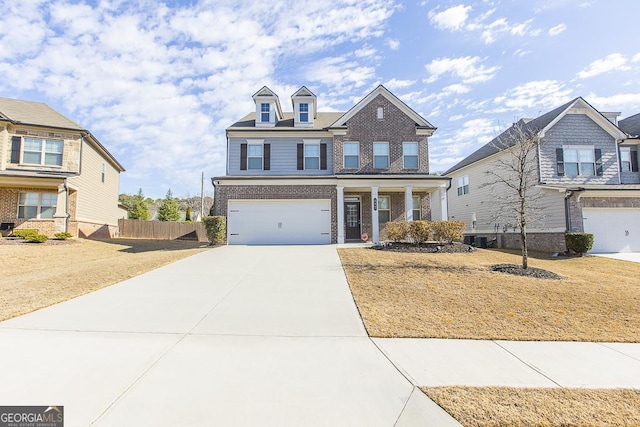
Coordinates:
538 126
265 92
421 122
631 125
305 93
31 113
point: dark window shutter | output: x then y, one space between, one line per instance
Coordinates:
323 157
560 161
243 157
634 160
598 161
267 156
16 142
300 157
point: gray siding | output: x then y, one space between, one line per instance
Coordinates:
578 129
284 157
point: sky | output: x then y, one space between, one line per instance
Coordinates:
159 82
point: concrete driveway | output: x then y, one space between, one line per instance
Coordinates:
233 336
624 256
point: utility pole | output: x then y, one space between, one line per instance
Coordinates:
202 197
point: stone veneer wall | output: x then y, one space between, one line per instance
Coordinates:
279 192
540 242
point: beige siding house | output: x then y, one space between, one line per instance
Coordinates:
582 180
54 174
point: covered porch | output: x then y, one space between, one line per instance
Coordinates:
366 203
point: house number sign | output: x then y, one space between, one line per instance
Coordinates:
375 203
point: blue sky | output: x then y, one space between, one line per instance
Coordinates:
158 83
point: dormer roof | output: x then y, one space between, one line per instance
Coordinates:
304 94
266 94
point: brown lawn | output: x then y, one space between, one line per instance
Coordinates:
456 296
38 275
503 406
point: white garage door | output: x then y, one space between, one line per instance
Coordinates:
279 222
614 230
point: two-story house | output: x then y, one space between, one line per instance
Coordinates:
54 174
587 173
310 177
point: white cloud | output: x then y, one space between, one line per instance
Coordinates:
614 61
468 68
628 103
394 84
557 30
393 44
636 58
450 19
340 73
521 52
541 94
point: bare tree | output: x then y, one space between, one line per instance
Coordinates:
513 180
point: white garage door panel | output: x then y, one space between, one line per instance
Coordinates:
276 222
614 230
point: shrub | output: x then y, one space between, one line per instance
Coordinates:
216 227
24 233
62 235
420 231
448 231
36 238
397 230
579 242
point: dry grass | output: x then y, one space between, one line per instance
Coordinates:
38 275
455 296
502 406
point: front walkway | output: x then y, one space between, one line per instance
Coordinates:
232 336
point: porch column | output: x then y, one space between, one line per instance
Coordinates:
408 203
60 215
340 213
375 225
443 204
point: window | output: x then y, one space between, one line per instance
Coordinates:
254 155
625 159
410 155
384 209
579 161
380 113
265 111
463 185
312 156
304 113
37 205
38 151
104 171
381 155
416 208
351 155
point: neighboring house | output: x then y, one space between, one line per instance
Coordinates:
310 177
54 174
588 181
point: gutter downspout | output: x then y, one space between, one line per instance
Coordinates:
567 210
66 209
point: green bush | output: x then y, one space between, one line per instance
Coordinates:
62 235
420 231
24 233
36 238
448 231
579 242
216 227
397 230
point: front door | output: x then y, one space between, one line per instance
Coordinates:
352 219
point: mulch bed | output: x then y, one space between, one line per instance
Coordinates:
529 272
430 248
12 241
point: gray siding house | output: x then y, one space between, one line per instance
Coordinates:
587 167
309 177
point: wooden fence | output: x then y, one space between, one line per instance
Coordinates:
162 230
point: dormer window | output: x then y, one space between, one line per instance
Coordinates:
304 113
265 112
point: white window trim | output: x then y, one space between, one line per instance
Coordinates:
300 112
255 142
592 148
389 209
265 112
417 156
38 206
626 150
464 180
379 155
43 152
344 156
417 207
307 142
380 113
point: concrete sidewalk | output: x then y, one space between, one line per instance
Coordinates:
232 336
